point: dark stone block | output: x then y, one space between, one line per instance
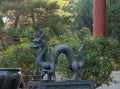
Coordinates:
61 85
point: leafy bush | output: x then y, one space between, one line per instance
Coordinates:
25 34
18 56
102 57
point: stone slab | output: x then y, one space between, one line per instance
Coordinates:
61 85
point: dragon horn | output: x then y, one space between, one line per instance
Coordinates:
39 35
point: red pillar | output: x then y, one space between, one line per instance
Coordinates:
99 17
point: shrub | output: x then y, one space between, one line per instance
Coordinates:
102 58
18 56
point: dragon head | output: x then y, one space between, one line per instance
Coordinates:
39 40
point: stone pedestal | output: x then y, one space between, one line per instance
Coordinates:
60 85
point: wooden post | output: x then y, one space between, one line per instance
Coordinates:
99 17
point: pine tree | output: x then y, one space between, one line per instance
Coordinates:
84 10
113 18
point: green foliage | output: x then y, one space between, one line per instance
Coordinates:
19 56
26 17
14 34
102 57
84 17
37 12
27 33
2 31
113 18
71 39
83 10
23 34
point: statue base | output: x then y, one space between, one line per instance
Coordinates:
82 84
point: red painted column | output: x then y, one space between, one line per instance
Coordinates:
99 17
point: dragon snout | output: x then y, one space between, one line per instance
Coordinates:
33 45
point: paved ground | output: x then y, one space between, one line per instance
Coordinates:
111 86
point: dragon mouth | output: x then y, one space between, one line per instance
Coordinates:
33 46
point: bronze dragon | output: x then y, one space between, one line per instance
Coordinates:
39 46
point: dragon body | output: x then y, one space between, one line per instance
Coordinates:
48 67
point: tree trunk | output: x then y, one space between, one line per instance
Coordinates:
16 21
33 18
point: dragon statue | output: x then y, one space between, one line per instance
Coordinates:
39 47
